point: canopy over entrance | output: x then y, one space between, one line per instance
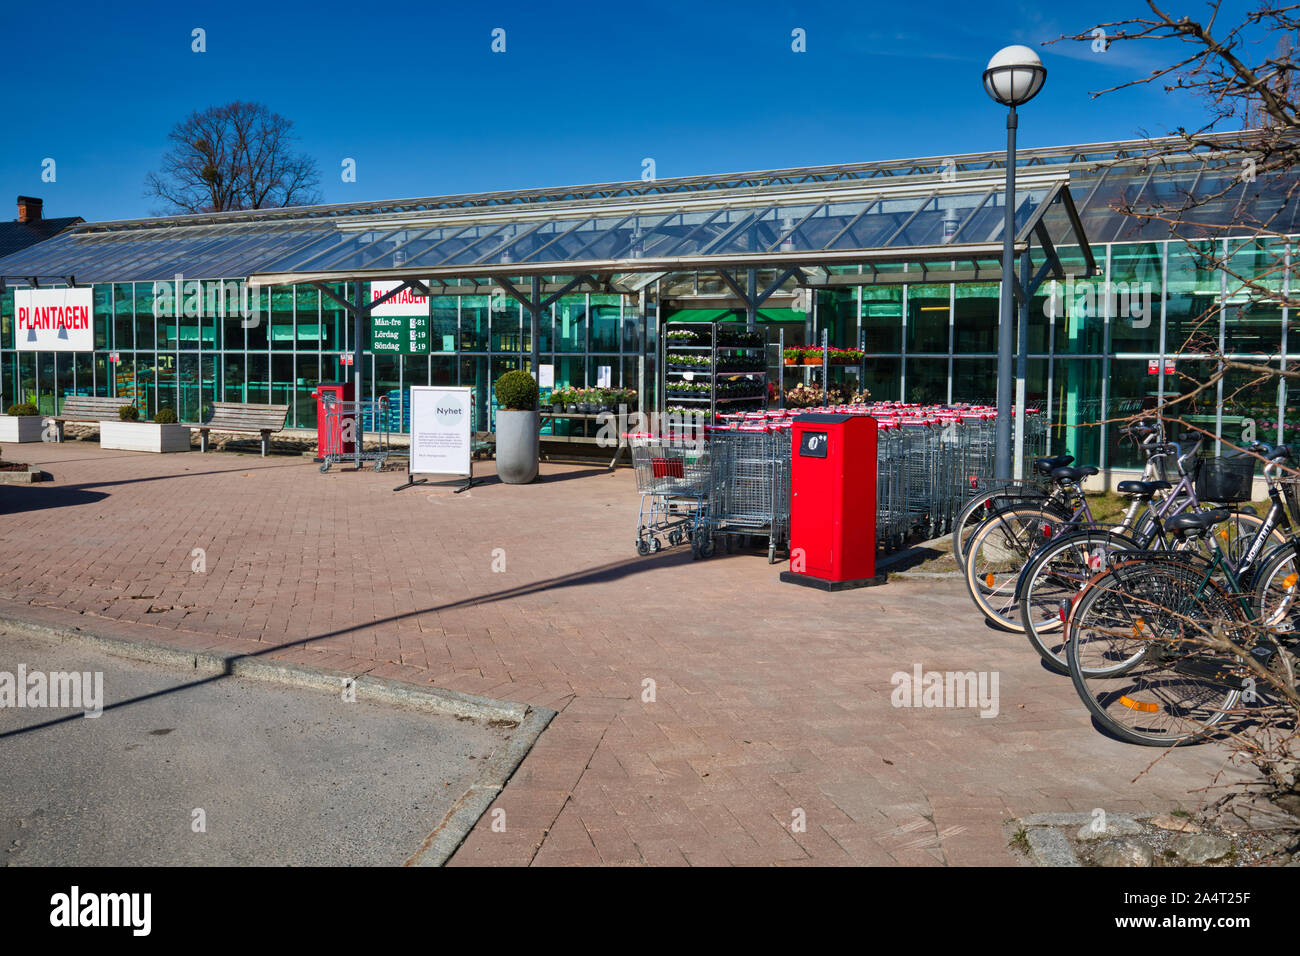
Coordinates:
899 230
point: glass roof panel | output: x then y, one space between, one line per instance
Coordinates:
837 217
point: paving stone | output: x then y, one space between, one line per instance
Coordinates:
779 713
1049 847
1166 821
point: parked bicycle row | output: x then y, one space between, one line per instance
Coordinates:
1170 621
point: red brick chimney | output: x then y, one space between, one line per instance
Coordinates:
29 209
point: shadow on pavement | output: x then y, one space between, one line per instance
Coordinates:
612 571
40 497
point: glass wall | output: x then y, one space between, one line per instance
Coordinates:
210 348
1101 349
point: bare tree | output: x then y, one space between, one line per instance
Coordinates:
236 156
1244 74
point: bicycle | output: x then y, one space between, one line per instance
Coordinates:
1163 646
1060 569
986 500
1010 539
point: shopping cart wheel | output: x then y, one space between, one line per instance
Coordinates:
379 466
703 544
325 467
642 547
675 537
656 545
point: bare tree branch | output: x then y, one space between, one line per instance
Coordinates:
236 156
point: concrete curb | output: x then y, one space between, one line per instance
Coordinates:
434 699
460 819
527 722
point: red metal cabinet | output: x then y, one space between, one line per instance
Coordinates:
833 502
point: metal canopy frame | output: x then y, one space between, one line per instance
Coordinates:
905 222
1094 155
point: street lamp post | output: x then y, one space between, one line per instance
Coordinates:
1013 77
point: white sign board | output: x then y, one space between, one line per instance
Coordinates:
546 376
603 377
406 302
441 430
54 320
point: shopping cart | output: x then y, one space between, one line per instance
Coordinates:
673 479
345 423
892 524
751 483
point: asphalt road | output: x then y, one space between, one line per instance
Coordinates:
281 775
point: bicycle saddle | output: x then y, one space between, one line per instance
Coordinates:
1197 522
1073 474
1045 466
1142 489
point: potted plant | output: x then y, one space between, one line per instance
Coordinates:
163 434
517 434
561 398
23 423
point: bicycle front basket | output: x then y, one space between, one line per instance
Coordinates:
1225 479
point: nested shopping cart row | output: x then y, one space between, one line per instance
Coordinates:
718 483
733 479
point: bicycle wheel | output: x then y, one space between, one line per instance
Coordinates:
980 507
1055 575
999 550
1275 592
1137 655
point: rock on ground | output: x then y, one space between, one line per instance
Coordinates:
1123 853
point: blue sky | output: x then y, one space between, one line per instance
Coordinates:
582 94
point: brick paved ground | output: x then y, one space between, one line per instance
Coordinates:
768 697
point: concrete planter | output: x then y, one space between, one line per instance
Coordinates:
28 477
517 447
21 428
144 436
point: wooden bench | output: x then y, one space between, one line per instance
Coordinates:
87 408
244 419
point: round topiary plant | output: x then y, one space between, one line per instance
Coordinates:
165 416
517 391
128 413
23 408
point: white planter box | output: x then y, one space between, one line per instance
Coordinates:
144 436
21 427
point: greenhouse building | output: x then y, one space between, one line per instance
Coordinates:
901 259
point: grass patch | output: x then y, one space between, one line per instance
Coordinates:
1020 840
